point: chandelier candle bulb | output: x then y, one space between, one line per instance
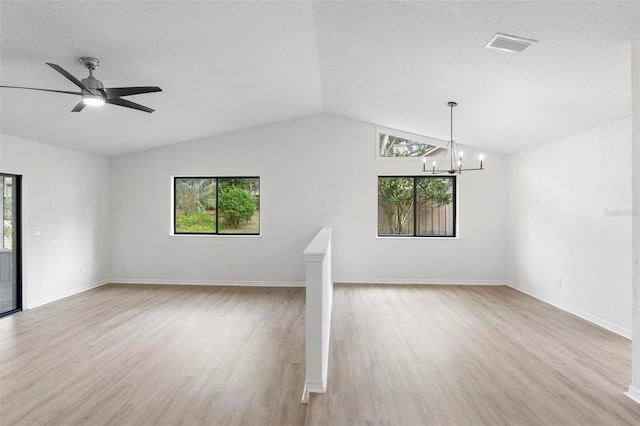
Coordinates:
424 164
481 159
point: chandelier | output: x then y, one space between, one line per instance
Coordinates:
451 161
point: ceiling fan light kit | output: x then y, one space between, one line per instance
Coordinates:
92 100
92 90
451 161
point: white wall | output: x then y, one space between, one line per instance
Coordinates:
570 220
569 205
316 171
65 194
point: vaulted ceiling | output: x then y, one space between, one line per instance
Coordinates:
225 66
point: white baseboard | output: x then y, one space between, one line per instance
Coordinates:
300 283
573 310
230 283
634 393
58 296
415 281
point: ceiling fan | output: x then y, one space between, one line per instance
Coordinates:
93 92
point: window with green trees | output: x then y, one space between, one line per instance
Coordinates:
417 206
216 205
396 144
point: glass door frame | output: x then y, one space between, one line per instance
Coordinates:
17 240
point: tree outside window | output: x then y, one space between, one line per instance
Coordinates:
217 205
416 206
396 146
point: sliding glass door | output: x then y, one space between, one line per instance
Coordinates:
10 278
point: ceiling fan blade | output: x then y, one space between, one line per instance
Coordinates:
42 90
79 107
115 92
128 104
71 78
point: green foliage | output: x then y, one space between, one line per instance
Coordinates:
196 222
395 196
195 195
393 146
435 192
250 184
7 239
236 205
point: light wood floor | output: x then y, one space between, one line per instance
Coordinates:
400 355
137 355
451 355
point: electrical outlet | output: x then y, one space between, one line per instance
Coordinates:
128 265
559 283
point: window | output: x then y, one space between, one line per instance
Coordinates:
397 144
417 206
216 205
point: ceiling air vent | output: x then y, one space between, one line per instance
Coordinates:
509 43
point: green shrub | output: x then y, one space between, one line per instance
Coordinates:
236 206
196 222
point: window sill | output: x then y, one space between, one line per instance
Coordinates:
378 237
214 235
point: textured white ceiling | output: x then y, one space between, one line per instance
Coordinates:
225 66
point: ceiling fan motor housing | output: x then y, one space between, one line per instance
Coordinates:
92 83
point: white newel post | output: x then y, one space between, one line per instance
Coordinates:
634 389
319 292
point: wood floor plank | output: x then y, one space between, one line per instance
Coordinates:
400 355
142 355
457 355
